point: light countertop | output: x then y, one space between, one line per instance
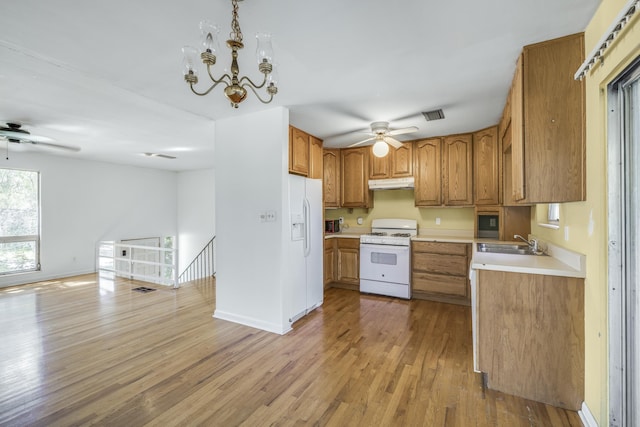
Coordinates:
343 235
558 262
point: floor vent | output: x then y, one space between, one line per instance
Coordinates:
143 289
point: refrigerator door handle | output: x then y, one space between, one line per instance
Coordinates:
306 208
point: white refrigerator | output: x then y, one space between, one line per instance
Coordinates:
305 255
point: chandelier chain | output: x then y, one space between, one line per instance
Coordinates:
236 32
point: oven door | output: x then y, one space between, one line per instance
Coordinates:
384 263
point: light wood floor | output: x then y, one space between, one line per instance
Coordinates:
86 351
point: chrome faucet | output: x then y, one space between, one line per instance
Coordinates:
533 243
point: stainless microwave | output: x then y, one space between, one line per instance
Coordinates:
488 226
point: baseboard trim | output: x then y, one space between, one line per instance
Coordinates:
252 322
586 416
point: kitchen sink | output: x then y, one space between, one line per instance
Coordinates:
507 248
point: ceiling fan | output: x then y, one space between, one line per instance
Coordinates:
13 132
383 137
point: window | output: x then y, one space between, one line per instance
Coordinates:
553 216
19 221
552 219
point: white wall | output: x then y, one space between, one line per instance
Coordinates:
196 213
250 171
83 202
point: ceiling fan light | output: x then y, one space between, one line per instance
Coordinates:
380 149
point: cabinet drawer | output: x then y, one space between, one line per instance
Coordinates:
348 243
440 284
328 243
441 248
454 265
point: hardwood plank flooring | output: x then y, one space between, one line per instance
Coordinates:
91 351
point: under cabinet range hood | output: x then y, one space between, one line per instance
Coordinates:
392 184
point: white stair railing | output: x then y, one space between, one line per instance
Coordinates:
203 265
146 263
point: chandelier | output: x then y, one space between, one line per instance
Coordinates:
235 87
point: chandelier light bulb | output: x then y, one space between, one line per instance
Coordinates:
264 51
380 148
272 79
209 37
189 58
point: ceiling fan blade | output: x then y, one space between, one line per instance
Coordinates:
361 142
56 146
24 136
393 142
402 131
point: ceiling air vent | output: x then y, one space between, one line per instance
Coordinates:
433 115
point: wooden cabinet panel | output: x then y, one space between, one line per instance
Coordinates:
397 164
379 167
439 271
517 134
355 172
486 155
532 326
547 123
440 284
427 172
505 119
329 262
401 161
440 263
331 178
441 248
315 158
457 170
298 152
348 267
508 198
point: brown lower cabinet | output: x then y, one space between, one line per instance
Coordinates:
344 256
439 271
530 338
329 262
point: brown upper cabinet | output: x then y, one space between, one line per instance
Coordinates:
331 178
457 170
397 164
443 171
427 172
354 165
315 158
486 167
305 154
545 158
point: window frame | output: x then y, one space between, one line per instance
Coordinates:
28 237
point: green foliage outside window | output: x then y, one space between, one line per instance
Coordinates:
19 220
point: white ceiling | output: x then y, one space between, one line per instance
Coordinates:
106 76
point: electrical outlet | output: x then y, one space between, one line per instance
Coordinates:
566 233
437 221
